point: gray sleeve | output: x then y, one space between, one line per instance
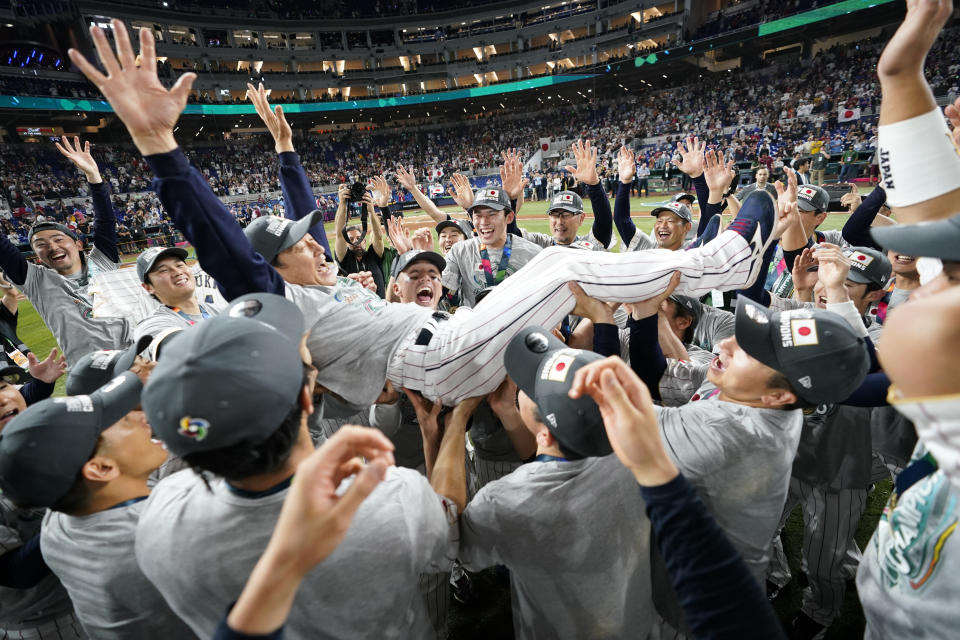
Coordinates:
100 259
681 380
835 236
641 241
787 304
715 325
386 417
450 278
432 523
157 323
539 239
479 531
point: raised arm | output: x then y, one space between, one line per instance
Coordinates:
376 223
150 112
408 181
297 194
856 230
626 162
340 222
586 172
104 219
715 180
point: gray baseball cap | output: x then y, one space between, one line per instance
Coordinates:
97 368
685 196
148 258
270 235
817 351
690 307
493 198
407 258
51 226
810 197
44 448
868 266
937 239
463 226
543 368
230 379
567 201
676 208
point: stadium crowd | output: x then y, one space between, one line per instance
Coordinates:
309 435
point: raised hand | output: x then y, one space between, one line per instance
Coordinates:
906 50
274 119
50 369
383 192
511 174
407 178
691 156
647 308
365 278
952 111
788 212
422 239
399 236
852 199
717 174
146 108
428 414
594 310
586 157
803 279
461 191
834 268
626 165
629 418
80 157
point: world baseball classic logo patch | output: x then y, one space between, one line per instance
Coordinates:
193 428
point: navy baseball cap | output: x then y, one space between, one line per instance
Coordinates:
679 209
685 196
810 197
868 266
543 368
417 255
51 226
492 198
816 350
690 307
463 226
566 201
270 235
97 368
936 239
148 258
43 449
210 389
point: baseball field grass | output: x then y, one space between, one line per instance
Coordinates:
490 615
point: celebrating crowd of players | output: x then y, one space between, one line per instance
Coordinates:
599 423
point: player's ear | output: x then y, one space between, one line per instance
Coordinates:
778 398
682 322
510 217
100 468
147 287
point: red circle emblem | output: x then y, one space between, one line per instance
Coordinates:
560 366
804 331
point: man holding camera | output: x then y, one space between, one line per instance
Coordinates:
348 246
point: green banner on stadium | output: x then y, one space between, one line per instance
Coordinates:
68 104
817 15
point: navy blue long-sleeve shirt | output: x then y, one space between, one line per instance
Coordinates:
646 356
856 230
719 596
602 215
222 249
621 215
707 209
298 196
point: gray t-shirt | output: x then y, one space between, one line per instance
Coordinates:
641 242
93 557
544 240
907 579
198 547
165 319
65 305
465 274
354 334
739 458
576 540
27 609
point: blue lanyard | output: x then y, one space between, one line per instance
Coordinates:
127 503
277 488
501 268
178 311
543 457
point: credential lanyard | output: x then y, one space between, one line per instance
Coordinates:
501 268
178 311
543 457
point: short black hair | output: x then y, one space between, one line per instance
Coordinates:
569 455
246 458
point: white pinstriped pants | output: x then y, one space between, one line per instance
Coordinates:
465 356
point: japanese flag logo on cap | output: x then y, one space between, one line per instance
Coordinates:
493 193
807 191
860 260
804 332
566 197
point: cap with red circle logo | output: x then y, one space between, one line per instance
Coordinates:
810 197
491 198
816 350
678 209
868 266
543 368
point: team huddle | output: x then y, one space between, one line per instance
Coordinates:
283 438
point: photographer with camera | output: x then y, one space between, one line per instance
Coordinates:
348 247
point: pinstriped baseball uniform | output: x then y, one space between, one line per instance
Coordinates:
465 274
587 241
464 357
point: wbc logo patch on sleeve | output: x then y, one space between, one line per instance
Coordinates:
804 332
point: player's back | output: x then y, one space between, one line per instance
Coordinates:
199 545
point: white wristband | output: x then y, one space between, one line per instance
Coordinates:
918 159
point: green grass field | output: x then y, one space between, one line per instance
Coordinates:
490 616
